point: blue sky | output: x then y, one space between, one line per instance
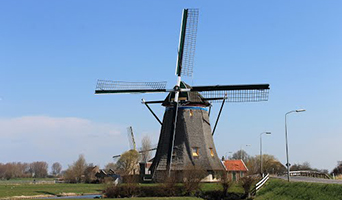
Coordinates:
53 52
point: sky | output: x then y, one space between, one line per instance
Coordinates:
53 52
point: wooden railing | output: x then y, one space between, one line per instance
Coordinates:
259 184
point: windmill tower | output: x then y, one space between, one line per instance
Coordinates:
186 136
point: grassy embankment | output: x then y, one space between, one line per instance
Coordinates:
282 190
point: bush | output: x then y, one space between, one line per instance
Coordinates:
169 186
192 179
122 191
246 183
133 190
226 183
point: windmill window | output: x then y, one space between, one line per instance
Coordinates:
211 152
195 151
173 154
191 113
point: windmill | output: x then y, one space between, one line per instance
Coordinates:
186 137
132 144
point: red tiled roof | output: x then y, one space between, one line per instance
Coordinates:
235 165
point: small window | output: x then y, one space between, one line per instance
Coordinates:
191 113
211 152
195 151
173 154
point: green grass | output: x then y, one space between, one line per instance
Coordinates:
9 190
234 188
157 198
24 180
282 190
18 187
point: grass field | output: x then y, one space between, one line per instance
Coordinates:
157 198
24 180
10 190
282 190
235 188
21 187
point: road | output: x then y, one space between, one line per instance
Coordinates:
309 179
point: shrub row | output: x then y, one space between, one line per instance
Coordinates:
133 190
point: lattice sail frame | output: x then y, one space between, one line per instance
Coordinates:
108 86
253 95
190 42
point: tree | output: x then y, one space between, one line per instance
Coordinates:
9 172
89 173
246 183
39 169
226 183
127 164
56 168
110 166
270 165
192 176
75 172
337 170
79 167
303 166
146 147
241 154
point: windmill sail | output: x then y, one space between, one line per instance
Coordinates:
187 43
115 87
235 93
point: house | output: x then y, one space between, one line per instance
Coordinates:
102 174
235 169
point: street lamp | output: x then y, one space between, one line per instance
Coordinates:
230 152
261 170
247 145
287 146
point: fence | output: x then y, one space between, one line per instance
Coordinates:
260 184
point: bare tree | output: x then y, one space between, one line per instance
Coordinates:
9 172
146 147
226 183
246 183
270 165
79 167
56 168
303 166
39 169
75 172
110 166
192 177
240 155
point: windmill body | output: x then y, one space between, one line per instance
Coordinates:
193 142
186 136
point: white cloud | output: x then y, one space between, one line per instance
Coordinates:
51 139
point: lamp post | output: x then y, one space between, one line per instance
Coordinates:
261 170
247 145
230 152
287 146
